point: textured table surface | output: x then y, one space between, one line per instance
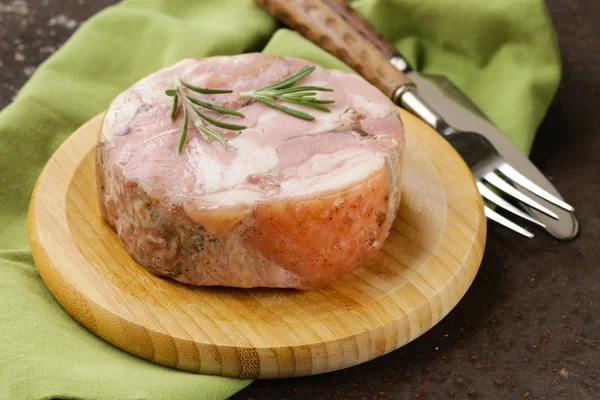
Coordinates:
529 327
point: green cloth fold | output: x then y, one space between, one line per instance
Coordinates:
502 53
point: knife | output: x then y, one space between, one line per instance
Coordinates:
445 98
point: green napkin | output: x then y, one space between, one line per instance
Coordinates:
502 53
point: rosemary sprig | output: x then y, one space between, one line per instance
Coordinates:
190 110
285 91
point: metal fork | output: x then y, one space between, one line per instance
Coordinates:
488 167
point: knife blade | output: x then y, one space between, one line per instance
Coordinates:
460 112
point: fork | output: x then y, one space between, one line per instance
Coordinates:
321 24
488 167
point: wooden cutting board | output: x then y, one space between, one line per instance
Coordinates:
424 269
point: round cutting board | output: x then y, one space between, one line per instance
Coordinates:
425 267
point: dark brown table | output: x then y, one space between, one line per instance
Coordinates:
529 327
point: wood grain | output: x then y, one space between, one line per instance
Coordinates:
424 269
319 23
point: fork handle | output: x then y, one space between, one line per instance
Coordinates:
364 27
316 21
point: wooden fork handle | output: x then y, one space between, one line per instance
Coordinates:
364 27
316 21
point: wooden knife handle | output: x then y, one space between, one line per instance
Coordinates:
360 23
319 23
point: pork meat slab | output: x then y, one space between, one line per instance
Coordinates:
289 204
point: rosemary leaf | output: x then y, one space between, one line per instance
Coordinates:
215 107
171 92
287 110
323 101
298 94
220 124
309 104
174 108
183 131
292 80
202 90
304 88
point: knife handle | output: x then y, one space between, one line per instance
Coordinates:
317 22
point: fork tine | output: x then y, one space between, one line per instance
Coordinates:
510 190
494 216
516 176
494 198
